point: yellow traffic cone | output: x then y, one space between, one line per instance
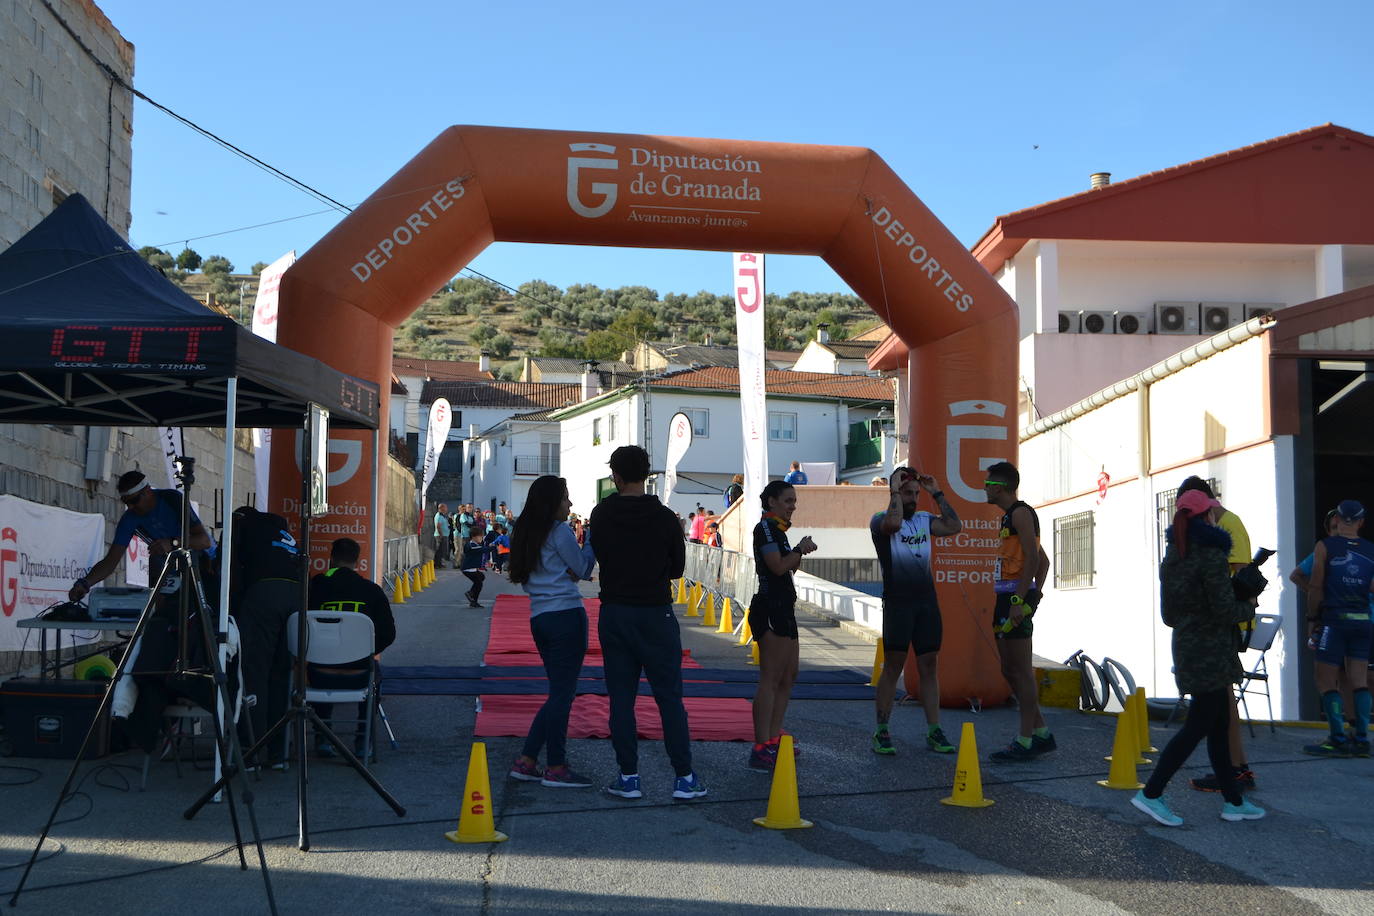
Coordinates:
398 591
746 633
878 659
694 601
968 778
784 813
1122 774
475 824
754 654
727 621
1142 721
708 619
681 591
405 584
1129 714
429 574
415 585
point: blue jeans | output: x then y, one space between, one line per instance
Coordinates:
647 639
561 637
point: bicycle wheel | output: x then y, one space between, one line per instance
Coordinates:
1120 680
1094 684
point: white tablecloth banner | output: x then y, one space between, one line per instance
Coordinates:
42 551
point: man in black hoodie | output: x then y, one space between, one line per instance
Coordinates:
638 543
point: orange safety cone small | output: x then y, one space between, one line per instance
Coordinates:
746 633
681 591
398 591
878 661
475 823
1142 721
1122 773
708 617
727 620
968 778
694 601
784 811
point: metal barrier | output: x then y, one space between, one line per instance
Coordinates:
399 555
724 573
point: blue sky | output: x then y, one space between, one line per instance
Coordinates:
981 108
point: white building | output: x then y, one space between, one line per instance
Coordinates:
840 357
811 417
1121 289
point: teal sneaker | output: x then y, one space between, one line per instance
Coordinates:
937 742
1242 812
1156 808
882 743
1333 746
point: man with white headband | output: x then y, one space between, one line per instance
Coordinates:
153 516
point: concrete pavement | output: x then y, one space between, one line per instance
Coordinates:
1054 842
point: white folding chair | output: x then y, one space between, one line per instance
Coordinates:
338 638
1267 627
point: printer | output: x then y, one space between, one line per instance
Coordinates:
117 602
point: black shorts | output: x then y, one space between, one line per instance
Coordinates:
778 617
1002 610
912 623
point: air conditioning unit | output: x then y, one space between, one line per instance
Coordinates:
1176 318
1132 322
1218 316
1070 322
1098 323
1256 309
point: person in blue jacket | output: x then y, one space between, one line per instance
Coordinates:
474 558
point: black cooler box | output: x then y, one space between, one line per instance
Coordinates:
47 717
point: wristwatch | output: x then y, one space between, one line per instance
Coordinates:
937 495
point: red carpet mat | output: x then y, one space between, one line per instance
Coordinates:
510 644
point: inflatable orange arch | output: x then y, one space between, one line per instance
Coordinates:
471 186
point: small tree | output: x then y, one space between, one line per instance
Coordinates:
258 267
482 333
188 259
501 345
216 264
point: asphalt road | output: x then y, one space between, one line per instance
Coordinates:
1053 842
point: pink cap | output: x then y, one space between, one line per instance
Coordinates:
1196 502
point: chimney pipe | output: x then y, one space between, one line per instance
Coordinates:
708 340
1100 180
823 333
591 380
484 361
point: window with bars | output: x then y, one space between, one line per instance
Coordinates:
1073 551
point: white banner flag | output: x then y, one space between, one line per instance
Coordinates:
265 326
753 412
42 552
436 435
679 440
173 447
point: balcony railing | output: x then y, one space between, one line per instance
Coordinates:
863 452
535 465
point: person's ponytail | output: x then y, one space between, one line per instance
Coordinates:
1180 526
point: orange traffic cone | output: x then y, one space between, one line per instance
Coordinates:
475 824
968 778
708 619
727 622
784 812
398 591
1142 721
1122 774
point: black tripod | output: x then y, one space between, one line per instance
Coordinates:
179 563
300 712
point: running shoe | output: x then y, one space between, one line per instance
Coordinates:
776 741
1245 779
882 743
688 786
563 777
625 786
1157 809
937 742
325 750
525 772
1333 746
1359 747
1242 812
1014 753
1043 745
762 758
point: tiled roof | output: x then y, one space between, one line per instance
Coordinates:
515 395
850 349
878 333
784 382
438 369
566 364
